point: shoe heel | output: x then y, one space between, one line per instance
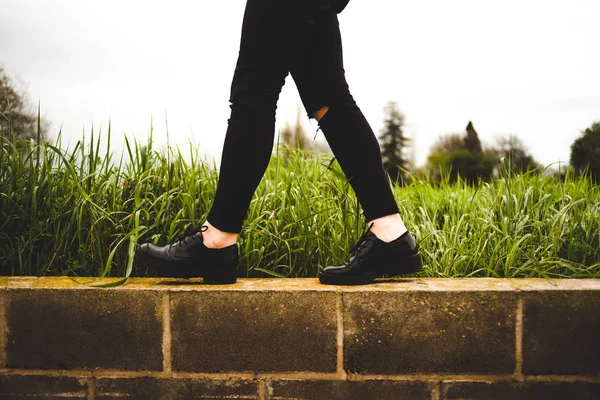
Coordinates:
220 279
409 265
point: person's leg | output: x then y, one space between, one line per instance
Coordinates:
322 85
271 33
387 248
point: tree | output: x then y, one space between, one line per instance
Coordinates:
437 160
471 141
585 152
16 114
461 155
448 143
393 142
470 166
513 150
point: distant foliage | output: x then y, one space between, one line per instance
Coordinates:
17 119
472 167
585 152
460 156
512 151
393 142
448 143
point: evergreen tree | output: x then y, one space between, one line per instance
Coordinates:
393 142
472 142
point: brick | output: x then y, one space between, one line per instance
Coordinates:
147 388
348 390
560 333
254 331
521 391
96 328
25 387
403 332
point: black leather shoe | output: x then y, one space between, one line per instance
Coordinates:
187 257
372 258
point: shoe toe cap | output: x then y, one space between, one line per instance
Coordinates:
147 249
334 270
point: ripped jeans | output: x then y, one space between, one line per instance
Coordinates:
301 38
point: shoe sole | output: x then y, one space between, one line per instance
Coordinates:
410 265
211 278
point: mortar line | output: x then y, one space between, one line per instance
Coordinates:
91 388
45 372
432 377
251 376
166 339
262 389
3 329
562 378
100 373
436 391
519 340
339 309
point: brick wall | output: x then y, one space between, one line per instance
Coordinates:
296 339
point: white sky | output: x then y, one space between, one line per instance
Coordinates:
525 67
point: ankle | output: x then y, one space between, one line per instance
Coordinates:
214 238
388 228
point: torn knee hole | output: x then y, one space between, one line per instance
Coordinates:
320 113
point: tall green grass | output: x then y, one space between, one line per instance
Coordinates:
81 211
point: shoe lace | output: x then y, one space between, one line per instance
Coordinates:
361 242
190 233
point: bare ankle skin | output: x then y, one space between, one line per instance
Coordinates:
388 228
215 238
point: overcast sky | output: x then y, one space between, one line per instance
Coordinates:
523 67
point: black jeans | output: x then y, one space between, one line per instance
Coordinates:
300 37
